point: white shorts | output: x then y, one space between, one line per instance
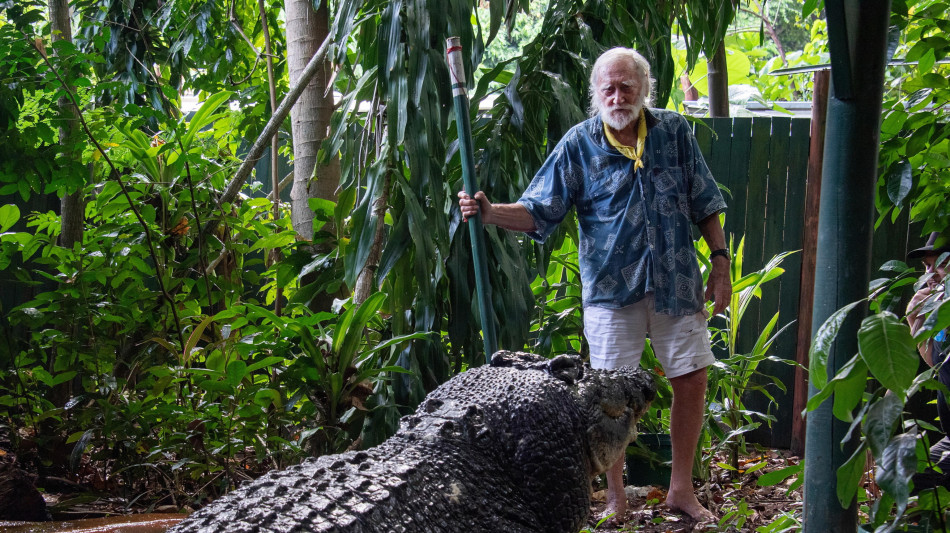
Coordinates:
617 337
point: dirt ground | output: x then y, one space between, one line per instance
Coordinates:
734 497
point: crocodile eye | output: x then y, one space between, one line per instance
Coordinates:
613 409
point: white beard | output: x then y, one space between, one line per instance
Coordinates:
620 117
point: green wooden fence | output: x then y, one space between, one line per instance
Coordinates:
763 163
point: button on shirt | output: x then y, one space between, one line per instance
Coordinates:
635 225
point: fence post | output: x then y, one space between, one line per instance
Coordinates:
809 247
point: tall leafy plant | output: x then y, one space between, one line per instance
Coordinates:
887 357
735 376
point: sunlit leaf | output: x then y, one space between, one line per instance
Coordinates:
9 214
885 344
818 353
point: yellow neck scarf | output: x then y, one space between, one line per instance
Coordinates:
634 153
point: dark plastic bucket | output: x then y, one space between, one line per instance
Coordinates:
648 460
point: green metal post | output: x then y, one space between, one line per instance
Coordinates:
858 39
482 286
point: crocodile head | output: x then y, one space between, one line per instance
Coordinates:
613 401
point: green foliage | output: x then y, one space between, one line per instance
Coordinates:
887 355
731 378
751 58
508 42
914 158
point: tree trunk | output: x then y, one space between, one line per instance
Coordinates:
310 118
366 281
718 82
71 205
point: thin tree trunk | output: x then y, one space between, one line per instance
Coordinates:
273 124
71 205
310 118
761 15
275 254
366 281
718 83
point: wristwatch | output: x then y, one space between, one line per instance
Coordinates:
722 251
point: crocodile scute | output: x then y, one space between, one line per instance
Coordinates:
507 447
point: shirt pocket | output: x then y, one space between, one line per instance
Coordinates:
609 192
671 196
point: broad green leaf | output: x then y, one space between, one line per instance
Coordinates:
235 372
897 465
850 391
843 374
849 476
899 179
267 396
251 410
61 378
881 510
215 361
933 499
893 121
821 345
310 348
322 209
396 340
9 214
926 62
879 422
213 385
887 347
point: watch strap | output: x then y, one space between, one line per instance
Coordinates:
722 251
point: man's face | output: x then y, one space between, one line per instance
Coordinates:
939 272
617 94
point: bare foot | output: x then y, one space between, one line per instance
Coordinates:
616 506
690 506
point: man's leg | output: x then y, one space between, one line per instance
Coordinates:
686 422
616 338
616 495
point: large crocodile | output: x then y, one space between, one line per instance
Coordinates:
509 447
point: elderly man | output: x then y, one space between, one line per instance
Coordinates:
638 182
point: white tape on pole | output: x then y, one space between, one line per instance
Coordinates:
453 53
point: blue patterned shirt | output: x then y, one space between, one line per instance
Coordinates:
635 226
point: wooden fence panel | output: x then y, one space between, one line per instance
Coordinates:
737 178
764 171
786 345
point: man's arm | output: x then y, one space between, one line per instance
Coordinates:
719 286
509 216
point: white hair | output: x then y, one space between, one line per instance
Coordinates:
640 64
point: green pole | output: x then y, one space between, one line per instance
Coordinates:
482 287
857 35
